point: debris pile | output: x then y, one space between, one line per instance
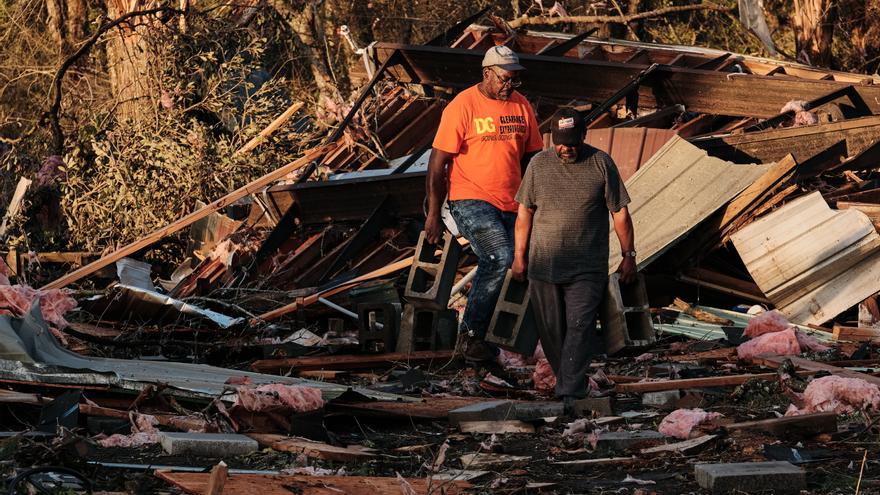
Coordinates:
307 317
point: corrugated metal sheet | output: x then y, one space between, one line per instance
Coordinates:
53 363
629 147
812 262
679 187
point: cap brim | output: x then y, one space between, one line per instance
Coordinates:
511 67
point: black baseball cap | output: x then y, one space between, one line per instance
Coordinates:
567 127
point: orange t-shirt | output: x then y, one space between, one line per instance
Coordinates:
488 138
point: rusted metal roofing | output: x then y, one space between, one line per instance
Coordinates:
630 148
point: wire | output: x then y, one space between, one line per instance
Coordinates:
25 475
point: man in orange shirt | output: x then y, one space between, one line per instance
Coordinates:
486 137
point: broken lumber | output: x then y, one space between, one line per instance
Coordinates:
217 480
504 426
714 381
188 220
488 460
690 446
348 362
855 334
588 464
270 129
699 313
197 483
313 449
14 204
808 365
806 425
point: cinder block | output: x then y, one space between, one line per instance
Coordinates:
625 315
530 411
426 329
619 441
600 405
513 324
379 325
751 477
207 444
431 277
664 400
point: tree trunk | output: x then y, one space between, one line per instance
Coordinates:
65 22
128 55
814 30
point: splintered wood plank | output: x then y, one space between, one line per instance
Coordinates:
188 220
316 450
686 447
353 361
714 381
809 365
499 427
855 334
14 204
197 483
806 425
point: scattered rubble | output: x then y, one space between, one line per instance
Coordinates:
310 320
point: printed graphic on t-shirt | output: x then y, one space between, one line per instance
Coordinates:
510 127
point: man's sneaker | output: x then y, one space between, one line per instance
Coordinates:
478 350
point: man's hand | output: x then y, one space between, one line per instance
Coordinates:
627 269
519 268
434 229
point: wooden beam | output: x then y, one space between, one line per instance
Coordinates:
271 484
806 425
699 91
348 362
313 449
188 220
217 480
856 334
809 365
713 381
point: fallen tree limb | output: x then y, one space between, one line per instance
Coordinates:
615 19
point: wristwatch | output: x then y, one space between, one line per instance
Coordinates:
629 253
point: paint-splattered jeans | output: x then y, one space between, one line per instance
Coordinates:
490 232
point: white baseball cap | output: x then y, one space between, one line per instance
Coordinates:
503 57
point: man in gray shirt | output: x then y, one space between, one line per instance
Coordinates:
561 244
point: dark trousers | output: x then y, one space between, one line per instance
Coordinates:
566 319
490 232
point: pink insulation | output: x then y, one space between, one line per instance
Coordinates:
277 395
782 343
145 433
681 422
802 116
509 359
543 376
838 394
16 300
771 321
808 342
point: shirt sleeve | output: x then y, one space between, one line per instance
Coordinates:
526 194
616 195
452 130
534 141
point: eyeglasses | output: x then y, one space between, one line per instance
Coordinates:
513 81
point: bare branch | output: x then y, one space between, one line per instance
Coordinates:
615 19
